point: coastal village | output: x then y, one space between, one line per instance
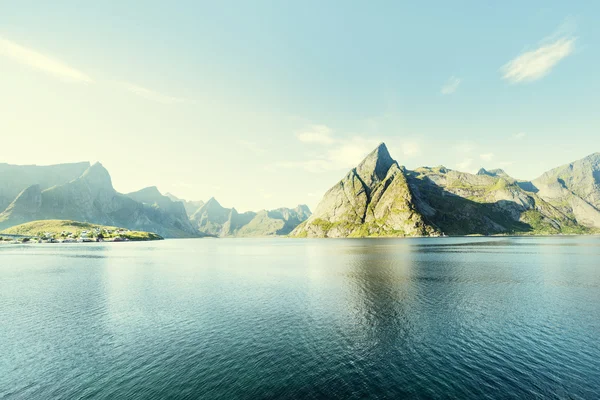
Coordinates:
84 236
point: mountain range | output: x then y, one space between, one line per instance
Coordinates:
84 192
378 198
214 219
382 198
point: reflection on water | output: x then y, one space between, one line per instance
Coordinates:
420 318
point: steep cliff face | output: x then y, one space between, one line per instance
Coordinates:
92 198
190 206
26 206
574 189
210 218
163 210
15 178
373 199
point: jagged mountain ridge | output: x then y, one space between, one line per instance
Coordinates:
215 220
190 206
381 198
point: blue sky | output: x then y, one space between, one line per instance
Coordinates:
267 104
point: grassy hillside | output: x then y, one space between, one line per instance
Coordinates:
63 228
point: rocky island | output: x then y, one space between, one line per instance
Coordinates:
61 231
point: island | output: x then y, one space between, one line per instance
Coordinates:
66 231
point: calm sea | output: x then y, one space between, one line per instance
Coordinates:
463 318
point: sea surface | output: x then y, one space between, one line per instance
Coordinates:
462 318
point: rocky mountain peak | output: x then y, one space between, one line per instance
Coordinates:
212 203
492 172
98 177
375 166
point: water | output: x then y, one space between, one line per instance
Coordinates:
465 318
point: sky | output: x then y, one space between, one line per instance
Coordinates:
267 104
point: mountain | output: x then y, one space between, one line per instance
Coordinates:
493 172
381 198
216 220
163 209
210 218
373 199
574 189
15 178
190 206
92 198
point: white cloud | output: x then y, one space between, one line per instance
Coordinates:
44 63
519 135
251 146
411 149
320 134
465 147
465 165
343 155
451 85
487 156
536 64
151 94
349 154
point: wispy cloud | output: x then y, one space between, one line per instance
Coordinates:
41 62
340 155
252 146
465 165
465 147
487 156
451 85
535 64
320 134
519 135
411 149
150 94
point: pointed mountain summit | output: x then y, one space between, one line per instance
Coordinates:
210 218
375 166
190 206
373 199
493 172
97 177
